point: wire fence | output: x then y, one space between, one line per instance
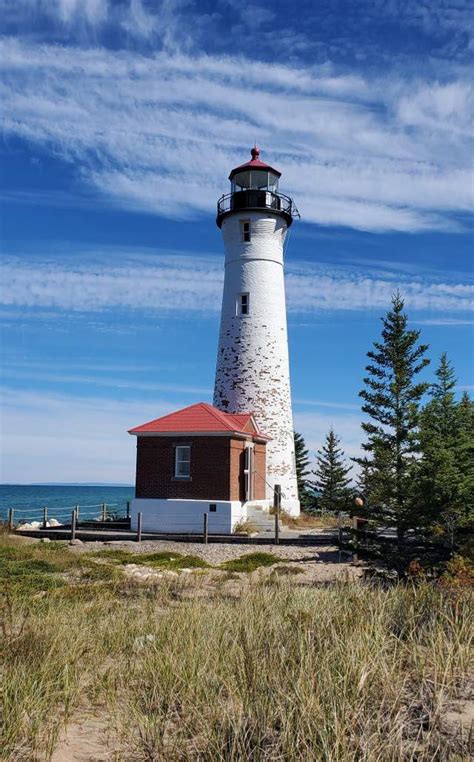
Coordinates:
47 516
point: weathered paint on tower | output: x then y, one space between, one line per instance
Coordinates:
252 373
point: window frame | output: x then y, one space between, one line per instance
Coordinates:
243 311
245 231
179 460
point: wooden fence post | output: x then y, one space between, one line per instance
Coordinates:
205 536
45 517
77 513
128 509
73 525
104 512
11 512
277 506
139 526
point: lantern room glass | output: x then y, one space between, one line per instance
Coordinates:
255 179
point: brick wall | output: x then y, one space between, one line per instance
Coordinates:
210 468
217 465
260 469
237 461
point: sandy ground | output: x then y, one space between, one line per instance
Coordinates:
305 565
217 553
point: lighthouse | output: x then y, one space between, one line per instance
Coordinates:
252 370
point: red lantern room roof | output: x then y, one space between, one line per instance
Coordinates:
254 163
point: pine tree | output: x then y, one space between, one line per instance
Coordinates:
465 460
465 450
446 471
302 473
331 475
391 399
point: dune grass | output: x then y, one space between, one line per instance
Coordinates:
250 561
346 672
163 560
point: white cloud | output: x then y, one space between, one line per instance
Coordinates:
168 282
49 437
161 132
60 437
315 426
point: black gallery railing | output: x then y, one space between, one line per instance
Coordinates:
256 199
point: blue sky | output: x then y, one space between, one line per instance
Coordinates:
120 123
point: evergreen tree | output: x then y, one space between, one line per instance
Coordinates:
446 471
465 460
391 399
438 476
465 452
302 473
331 475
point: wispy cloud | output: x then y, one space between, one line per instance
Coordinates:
325 403
160 132
170 283
70 438
444 322
63 379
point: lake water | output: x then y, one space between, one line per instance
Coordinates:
29 501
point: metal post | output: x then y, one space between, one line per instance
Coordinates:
355 539
206 529
11 511
277 506
139 526
45 517
73 525
339 536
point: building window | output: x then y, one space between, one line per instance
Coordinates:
212 507
243 304
245 230
182 462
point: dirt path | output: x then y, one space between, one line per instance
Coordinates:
85 739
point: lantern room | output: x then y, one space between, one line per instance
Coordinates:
254 175
254 186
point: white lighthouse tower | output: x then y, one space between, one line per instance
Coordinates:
252 373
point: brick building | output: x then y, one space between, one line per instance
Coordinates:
194 461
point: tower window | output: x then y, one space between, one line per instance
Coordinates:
245 230
182 463
243 304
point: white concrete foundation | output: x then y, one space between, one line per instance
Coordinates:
161 515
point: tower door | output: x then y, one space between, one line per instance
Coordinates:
248 473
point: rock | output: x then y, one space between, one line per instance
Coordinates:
28 526
53 523
75 542
45 539
186 571
142 641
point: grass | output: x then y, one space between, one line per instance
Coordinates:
164 560
245 527
308 521
30 568
250 561
340 673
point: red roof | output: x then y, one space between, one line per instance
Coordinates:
200 418
254 163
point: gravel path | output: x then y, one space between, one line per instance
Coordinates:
217 553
